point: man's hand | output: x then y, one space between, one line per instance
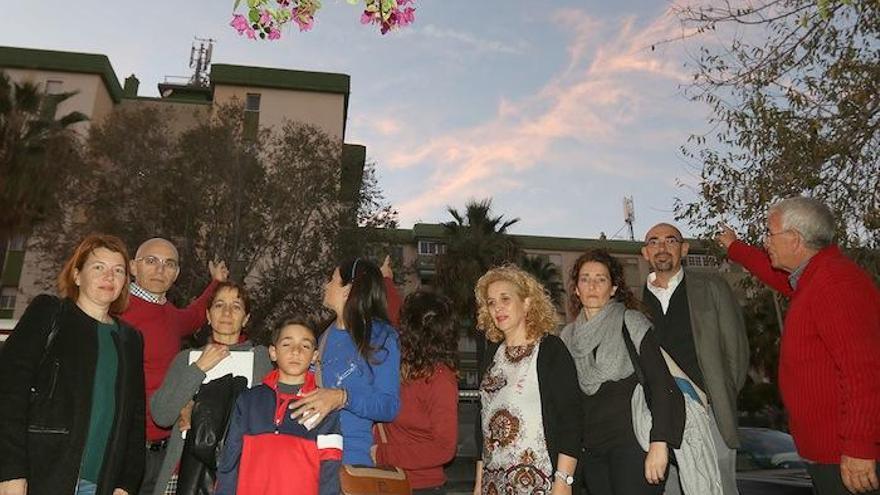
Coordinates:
14 487
218 270
185 421
212 354
386 270
119 491
655 462
726 237
859 475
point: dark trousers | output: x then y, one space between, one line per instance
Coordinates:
616 471
827 480
155 456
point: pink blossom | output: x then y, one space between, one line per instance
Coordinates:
240 23
366 17
250 33
303 19
265 18
274 34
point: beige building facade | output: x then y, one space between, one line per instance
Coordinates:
270 96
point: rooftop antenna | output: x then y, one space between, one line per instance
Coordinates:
200 61
629 215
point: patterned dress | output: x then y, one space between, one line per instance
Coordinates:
515 458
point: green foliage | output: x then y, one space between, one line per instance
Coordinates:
35 153
476 240
268 205
548 274
794 89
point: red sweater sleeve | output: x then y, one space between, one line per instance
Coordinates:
443 418
757 262
193 316
393 298
850 328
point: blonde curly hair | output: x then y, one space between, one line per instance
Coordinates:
541 318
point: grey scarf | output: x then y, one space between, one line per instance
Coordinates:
603 334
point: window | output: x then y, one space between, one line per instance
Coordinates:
50 102
54 87
431 248
7 298
252 102
251 115
701 260
17 243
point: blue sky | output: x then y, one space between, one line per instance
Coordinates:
557 110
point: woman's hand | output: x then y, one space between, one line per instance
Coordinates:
316 405
14 487
655 462
478 478
185 421
119 491
212 354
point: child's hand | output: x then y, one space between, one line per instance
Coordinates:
316 405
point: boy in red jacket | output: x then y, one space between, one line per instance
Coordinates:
267 452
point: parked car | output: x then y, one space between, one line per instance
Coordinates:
767 463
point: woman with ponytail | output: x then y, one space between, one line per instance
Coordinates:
359 360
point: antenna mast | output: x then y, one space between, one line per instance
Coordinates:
629 215
200 61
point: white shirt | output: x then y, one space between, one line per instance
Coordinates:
664 295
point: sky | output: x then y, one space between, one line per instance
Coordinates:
556 110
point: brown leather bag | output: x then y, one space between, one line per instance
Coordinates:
380 480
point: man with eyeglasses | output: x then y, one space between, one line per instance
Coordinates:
829 356
698 321
155 269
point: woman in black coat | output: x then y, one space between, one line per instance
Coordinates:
72 384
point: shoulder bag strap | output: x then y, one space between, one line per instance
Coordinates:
634 358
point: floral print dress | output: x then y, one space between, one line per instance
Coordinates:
515 458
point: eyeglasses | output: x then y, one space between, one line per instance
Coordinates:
155 261
669 242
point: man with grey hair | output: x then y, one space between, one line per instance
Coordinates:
155 268
829 358
699 323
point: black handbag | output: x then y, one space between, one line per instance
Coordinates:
212 408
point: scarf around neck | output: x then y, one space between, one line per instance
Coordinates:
597 344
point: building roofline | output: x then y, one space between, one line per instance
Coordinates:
536 242
53 60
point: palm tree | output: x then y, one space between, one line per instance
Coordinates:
548 274
30 174
475 241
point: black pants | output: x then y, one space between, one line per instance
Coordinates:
827 480
152 465
616 471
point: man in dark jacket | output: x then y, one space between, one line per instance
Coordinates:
698 321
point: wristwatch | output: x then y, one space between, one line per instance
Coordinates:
565 477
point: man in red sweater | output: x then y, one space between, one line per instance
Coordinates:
829 359
155 268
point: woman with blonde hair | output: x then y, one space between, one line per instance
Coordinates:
525 449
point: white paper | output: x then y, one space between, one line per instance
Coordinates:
239 363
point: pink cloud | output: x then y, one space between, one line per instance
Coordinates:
605 87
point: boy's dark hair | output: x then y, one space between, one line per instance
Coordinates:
294 320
